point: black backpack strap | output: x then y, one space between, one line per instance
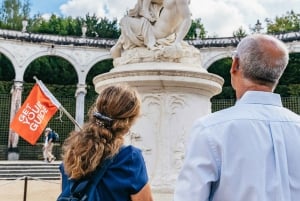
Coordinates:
80 191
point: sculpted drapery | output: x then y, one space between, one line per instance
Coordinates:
154 25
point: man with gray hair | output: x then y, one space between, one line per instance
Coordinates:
248 152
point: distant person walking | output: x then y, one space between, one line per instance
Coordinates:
48 146
248 152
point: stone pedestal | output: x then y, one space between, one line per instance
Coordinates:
173 97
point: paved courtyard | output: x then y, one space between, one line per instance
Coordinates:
37 190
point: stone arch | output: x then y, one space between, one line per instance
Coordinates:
48 68
294 47
216 57
98 59
40 54
10 57
94 66
94 70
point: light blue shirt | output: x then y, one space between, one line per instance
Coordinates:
249 152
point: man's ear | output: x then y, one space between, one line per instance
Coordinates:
234 65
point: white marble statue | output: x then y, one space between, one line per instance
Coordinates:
148 9
153 25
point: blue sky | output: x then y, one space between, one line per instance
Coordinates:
46 6
220 17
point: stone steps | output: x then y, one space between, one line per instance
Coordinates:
11 170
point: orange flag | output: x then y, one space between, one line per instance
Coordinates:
35 113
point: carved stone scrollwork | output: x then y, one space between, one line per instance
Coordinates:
135 136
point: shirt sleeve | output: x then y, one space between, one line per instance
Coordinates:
138 172
200 168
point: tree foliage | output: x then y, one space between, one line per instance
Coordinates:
101 27
196 30
7 72
12 12
55 25
68 26
291 74
222 68
289 83
99 68
51 69
286 23
107 28
239 33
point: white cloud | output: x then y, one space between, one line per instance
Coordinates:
46 16
79 8
118 8
220 17
104 8
223 17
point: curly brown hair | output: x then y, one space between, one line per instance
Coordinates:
84 150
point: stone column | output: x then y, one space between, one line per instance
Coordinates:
80 95
13 137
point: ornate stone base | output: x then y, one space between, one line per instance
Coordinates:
173 97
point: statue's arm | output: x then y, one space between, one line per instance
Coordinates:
184 11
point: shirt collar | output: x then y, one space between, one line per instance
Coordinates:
260 97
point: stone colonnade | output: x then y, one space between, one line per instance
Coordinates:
16 100
22 54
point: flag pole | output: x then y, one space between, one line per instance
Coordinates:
61 108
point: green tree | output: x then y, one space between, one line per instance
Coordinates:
55 25
222 68
286 23
91 22
12 12
96 27
99 68
7 72
291 74
196 30
51 69
107 29
25 9
239 33
289 83
73 27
